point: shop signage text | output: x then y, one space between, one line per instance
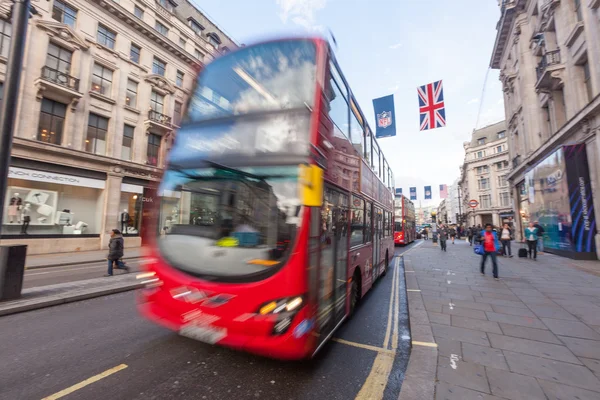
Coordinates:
49 177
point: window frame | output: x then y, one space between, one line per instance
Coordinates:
5 38
53 117
137 53
96 128
65 7
151 145
104 38
179 79
177 113
587 79
102 90
140 14
59 59
154 97
161 28
157 67
131 101
130 138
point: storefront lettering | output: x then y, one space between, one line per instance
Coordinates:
147 199
584 205
143 174
46 177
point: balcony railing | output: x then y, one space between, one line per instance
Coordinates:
548 59
159 118
60 78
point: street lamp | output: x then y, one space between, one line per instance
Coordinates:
12 258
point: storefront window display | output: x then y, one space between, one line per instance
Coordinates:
44 203
129 216
558 197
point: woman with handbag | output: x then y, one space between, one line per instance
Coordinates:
505 238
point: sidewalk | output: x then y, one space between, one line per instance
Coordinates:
535 334
77 258
51 295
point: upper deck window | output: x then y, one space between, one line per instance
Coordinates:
267 77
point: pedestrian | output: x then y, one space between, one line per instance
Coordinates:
470 234
531 235
540 236
116 246
491 245
425 234
505 238
452 234
443 236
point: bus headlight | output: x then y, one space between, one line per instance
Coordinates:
285 310
284 305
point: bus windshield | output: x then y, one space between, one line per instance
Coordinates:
273 76
229 224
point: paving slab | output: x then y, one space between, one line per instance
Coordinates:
523 332
446 391
529 322
464 312
556 391
460 334
438 318
533 347
476 324
464 374
513 386
582 347
484 355
552 370
556 312
523 312
571 328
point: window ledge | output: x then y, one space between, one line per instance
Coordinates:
594 4
132 109
577 30
102 97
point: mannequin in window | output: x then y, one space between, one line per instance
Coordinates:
124 220
26 218
14 207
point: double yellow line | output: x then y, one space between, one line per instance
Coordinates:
374 386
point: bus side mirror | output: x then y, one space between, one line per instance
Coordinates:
311 185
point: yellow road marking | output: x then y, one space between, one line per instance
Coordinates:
363 346
390 310
86 382
425 344
374 386
397 312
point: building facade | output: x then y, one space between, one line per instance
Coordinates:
454 211
484 178
548 54
104 87
442 212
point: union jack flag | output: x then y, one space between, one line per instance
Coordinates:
431 106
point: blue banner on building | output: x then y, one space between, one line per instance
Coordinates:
398 191
385 116
427 192
413 193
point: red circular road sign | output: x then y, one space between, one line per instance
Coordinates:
473 203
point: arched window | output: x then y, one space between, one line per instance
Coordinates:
214 39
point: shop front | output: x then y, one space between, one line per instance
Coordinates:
557 193
53 211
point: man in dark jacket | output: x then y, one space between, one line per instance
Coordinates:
540 235
443 236
115 252
470 234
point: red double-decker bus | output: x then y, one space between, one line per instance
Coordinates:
405 223
276 211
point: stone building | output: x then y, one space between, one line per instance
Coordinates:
484 177
548 54
452 203
104 87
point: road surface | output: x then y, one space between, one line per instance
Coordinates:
102 349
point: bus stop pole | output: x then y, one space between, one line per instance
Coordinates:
8 111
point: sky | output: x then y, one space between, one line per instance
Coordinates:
392 47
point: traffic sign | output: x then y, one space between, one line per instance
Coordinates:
473 203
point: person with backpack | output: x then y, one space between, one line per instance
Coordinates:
452 232
489 241
443 236
116 247
470 234
540 236
531 236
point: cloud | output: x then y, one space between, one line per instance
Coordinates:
301 12
473 101
393 88
396 46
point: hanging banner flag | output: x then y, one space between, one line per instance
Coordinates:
431 106
398 191
427 192
385 116
443 191
413 193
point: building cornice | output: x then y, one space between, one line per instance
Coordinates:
508 12
148 31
